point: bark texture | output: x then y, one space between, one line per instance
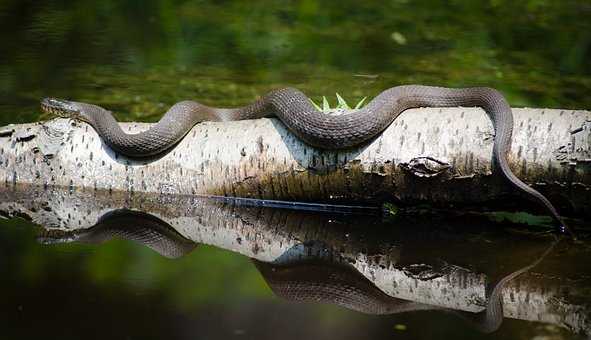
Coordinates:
435 155
406 259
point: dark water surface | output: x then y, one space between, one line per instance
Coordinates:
231 263
151 266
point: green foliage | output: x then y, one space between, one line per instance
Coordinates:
521 218
358 106
400 327
206 275
325 106
390 208
138 58
340 105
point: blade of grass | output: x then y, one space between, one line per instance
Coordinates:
315 105
360 103
325 106
342 104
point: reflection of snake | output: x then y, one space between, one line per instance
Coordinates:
297 280
296 111
491 318
318 281
140 227
343 285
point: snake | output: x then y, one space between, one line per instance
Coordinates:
314 127
140 227
303 280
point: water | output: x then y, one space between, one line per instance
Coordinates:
139 57
130 266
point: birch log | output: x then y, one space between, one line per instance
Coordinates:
407 259
434 155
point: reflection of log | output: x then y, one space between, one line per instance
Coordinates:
408 259
444 159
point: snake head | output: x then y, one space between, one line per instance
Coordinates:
60 107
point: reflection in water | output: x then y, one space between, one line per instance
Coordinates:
140 227
319 257
312 277
329 282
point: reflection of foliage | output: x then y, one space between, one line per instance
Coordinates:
138 57
521 218
390 209
207 275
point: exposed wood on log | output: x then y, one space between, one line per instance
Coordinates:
432 155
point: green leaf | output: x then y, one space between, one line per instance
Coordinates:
400 327
390 208
325 106
342 104
315 105
398 37
360 103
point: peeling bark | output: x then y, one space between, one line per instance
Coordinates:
434 155
406 259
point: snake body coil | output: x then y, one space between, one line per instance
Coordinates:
295 110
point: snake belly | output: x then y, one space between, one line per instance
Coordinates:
321 130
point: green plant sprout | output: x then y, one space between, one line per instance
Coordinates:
341 104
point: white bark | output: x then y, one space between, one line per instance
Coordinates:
431 154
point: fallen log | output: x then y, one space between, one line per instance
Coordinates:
435 155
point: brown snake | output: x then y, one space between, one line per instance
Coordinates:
324 131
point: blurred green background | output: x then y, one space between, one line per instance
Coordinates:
138 57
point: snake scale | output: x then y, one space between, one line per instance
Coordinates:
324 131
